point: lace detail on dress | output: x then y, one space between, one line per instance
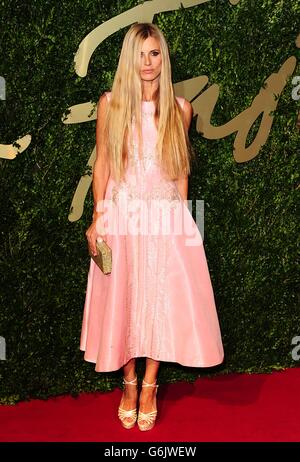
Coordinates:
149 159
139 170
147 114
163 191
149 323
125 191
155 303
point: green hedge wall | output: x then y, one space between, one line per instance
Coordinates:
250 208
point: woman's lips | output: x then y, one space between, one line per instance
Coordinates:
148 72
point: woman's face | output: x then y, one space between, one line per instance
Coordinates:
150 67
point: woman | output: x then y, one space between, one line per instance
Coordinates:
158 301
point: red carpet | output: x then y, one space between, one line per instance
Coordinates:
237 407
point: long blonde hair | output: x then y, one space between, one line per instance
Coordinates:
173 147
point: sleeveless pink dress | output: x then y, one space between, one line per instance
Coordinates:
158 300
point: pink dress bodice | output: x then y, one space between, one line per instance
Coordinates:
144 178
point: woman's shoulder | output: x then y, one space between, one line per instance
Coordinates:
103 102
184 103
180 100
187 109
107 94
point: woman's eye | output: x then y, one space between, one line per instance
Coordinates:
153 53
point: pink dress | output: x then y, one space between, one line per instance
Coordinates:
158 300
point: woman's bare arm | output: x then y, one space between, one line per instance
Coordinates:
182 183
101 165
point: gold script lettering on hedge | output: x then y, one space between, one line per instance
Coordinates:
264 103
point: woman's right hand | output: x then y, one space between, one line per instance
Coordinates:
95 231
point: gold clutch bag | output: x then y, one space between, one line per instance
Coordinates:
104 256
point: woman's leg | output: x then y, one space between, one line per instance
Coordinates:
147 394
129 398
129 370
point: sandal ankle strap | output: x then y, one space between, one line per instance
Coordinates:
130 382
145 384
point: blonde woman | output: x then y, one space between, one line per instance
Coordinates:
158 300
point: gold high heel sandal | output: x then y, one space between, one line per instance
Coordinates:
131 414
148 417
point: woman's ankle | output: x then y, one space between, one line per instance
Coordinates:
147 394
